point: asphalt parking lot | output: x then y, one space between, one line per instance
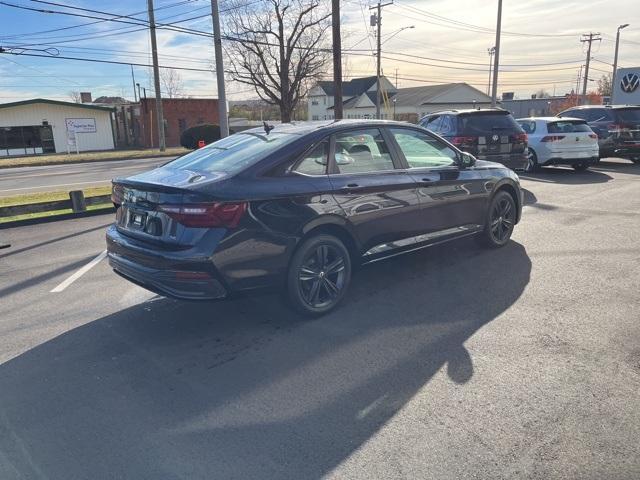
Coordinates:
453 362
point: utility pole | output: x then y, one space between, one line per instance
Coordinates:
490 51
217 46
156 77
577 95
496 57
337 60
133 79
588 38
377 18
615 58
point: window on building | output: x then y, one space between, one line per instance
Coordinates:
315 117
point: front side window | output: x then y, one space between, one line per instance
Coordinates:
233 153
360 151
315 162
423 151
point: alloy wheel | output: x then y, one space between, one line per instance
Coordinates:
502 219
322 275
532 163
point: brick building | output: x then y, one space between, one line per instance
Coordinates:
179 114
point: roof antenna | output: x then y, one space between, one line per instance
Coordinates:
267 127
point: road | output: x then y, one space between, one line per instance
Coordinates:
453 362
15 181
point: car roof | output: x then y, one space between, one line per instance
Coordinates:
550 119
305 127
468 110
612 107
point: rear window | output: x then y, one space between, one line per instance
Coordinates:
568 126
478 124
629 114
234 153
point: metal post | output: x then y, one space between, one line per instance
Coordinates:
490 51
133 79
222 96
156 77
379 24
337 60
496 57
615 59
591 38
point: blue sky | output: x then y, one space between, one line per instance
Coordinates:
541 48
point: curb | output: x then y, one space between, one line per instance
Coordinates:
55 218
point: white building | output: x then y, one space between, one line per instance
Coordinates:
359 99
49 126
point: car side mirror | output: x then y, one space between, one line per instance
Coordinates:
467 160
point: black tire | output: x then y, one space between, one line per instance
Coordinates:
532 162
319 275
500 220
580 167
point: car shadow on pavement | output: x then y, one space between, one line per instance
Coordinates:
617 165
566 175
246 388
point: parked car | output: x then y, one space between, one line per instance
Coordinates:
560 141
617 127
298 207
488 134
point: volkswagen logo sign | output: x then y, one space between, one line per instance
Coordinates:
495 138
630 82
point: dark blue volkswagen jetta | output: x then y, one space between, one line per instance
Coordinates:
299 206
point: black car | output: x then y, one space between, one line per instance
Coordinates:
298 207
617 127
488 134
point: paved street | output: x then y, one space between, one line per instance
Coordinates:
453 362
15 181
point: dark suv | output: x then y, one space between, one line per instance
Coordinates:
617 127
488 134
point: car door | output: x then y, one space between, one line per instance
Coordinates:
378 199
452 199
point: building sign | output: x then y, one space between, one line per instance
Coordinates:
81 125
626 89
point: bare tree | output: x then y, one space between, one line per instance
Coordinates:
171 82
604 85
279 48
75 97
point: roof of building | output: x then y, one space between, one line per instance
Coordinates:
354 87
112 100
412 96
54 102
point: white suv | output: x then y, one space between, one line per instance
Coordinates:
560 141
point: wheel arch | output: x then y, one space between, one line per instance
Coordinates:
337 227
513 191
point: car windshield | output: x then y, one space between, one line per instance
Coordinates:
629 114
487 123
568 126
234 153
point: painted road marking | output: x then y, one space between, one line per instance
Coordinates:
79 273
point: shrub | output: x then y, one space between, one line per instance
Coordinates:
206 131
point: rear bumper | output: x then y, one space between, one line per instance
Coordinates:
571 161
165 273
514 161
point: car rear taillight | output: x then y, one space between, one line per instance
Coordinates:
521 138
206 215
614 127
117 194
552 138
461 141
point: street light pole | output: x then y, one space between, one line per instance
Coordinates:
496 57
378 24
615 57
490 51
156 77
217 46
337 60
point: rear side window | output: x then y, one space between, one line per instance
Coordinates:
529 126
434 124
629 115
422 150
360 151
568 126
480 124
599 115
234 153
315 162
574 113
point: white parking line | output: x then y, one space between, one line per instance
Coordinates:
79 273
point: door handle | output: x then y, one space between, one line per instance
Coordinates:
426 182
352 185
